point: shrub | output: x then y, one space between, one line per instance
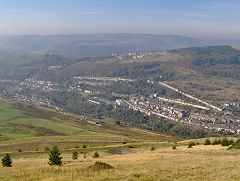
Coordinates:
191 144
207 142
226 142
75 155
96 155
54 157
216 142
19 150
46 149
174 147
7 161
84 146
100 166
238 141
153 148
131 146
235 145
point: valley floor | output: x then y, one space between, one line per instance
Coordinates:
197 163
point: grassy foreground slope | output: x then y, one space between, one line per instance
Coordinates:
197 163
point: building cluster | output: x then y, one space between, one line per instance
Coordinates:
35 84
195 113
134 56
33 100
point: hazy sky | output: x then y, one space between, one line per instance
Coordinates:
204 18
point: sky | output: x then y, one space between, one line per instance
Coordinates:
194 18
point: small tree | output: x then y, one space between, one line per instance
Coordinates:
118 123
226 142
7 161
75 155
54 157
174 147
191 144
84 146
153 148
216 142
207 142
96 155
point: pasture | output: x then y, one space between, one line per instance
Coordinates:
197 163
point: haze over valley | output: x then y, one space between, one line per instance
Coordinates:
119 90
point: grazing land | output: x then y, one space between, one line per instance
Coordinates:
197 163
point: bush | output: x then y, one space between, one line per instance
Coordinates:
96 155
235 145
174 147
226 142
84 146
46 149
100 166
19 150
75 155
191 144
238 141
207 142
216 142
153 148
54 157
7 161
131 146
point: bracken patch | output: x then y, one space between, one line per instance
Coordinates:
100 166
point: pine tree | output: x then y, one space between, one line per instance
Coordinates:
7 161
207 142
75 155
54 157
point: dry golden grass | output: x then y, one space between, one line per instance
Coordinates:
197 163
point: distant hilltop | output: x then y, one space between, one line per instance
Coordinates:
102 44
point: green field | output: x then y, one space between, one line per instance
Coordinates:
19 124
59 127
7 111
37 128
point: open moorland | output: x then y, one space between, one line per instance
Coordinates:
198 163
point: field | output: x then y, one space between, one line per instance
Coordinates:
20 124
197 163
